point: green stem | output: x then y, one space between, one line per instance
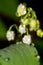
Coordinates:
14 25
27 31
26 16
28 13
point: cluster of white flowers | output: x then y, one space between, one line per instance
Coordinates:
10 35
25 22
21 10
26 39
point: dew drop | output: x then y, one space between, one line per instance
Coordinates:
38 57
6 59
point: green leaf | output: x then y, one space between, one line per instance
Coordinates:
19 54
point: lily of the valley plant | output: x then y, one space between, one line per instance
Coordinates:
28 22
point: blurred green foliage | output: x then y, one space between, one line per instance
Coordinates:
8 7
2 30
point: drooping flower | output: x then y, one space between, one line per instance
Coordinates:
34 25
22 29
10 35
27 39
21 10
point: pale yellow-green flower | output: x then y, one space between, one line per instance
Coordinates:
21 10
34 25
39 33
25 22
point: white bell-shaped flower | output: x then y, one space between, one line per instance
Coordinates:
27 39
10 35
21 10
22 29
